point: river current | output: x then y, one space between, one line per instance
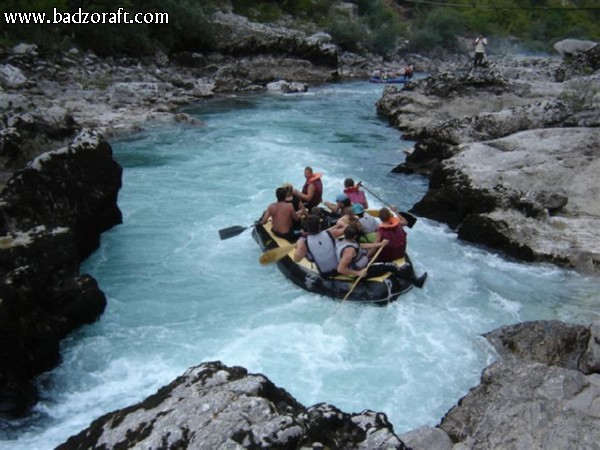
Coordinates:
179 296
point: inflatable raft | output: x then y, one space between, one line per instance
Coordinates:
380 290
391 80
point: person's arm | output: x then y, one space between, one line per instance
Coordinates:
295 215
345 260
266 215
337 230
301 250
310 192
374 245
302 211
333 207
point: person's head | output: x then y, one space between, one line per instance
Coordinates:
308 172
347 211
280 194
315 210
312 224
348 182
342 200
358 209
288 188
352 231
385 214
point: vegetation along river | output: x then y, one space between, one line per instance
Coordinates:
178 295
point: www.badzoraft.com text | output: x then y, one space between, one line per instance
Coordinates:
83 17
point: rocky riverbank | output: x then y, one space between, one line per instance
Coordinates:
512 151
60 193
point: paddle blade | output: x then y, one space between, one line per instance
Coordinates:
230 232
274 255
410 219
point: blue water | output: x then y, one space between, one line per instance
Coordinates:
178 295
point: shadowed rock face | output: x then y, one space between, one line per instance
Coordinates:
52 213
542 394
215 406
512 157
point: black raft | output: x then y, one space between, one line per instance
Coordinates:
380 290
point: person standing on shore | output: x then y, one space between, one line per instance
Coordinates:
480 44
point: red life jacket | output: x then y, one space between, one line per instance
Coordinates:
318 195
393 232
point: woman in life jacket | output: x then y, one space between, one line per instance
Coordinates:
319 246
368 224
354 193
391 229
354 259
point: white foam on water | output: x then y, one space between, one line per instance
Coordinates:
179 296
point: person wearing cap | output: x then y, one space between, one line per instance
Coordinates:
341 201
354 193
369 224
312 191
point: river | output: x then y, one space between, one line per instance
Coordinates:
178 295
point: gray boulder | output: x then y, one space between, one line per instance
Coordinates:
219 407
535 397
572 47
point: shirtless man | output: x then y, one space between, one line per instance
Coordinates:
283 216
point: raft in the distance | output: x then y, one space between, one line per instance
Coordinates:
380 290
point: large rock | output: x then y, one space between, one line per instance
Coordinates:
512 159
535 397
53 212
215 406
533 194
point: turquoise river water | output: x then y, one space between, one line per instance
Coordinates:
178 295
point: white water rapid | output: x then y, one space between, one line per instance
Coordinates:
178 295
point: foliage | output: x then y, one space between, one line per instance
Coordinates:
374 25
347 35
537 23
438 32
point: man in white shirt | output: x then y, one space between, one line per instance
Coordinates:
480 43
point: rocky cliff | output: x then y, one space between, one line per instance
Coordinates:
52 212
512 151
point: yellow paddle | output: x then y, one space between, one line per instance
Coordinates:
360 278
274 255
